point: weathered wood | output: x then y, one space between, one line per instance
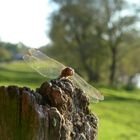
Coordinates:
56 111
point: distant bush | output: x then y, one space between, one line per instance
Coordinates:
9 52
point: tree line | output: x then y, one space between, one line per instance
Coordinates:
9 51
98 38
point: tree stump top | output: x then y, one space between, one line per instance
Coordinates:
57 110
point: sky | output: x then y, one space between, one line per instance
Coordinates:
26 21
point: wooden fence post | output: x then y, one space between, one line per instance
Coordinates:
55 111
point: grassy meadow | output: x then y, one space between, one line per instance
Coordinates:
119 115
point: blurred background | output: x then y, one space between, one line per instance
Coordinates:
100 39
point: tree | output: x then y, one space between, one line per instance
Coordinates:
8 51
4 54
129 65
73 27
92 29
118 26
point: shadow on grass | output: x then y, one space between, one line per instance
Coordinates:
16 71
16 76
116 99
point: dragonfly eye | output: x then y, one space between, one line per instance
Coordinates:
68 71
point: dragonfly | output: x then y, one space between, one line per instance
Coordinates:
50 68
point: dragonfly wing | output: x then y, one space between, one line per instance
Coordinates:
43 64
89 90
51 68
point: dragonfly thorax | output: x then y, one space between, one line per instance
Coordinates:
68 71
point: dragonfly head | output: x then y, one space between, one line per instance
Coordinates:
68 71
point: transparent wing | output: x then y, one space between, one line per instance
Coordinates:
51 68
89 90
43 64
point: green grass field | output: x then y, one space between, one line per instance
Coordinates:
119 115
